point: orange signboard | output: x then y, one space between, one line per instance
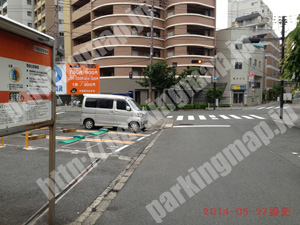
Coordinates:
83 79
25 87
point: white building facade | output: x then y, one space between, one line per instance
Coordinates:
19 10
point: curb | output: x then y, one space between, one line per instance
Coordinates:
93 213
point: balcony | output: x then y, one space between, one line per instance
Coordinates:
126 19
124 60
205 2
83 47
190 39
81 12
131 41
81 30
190 19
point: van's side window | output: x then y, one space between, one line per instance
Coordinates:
105 103
90 102
121 105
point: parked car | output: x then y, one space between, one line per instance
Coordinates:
288 97
112 110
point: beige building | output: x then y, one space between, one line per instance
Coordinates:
245 60
44 21
116 35
257 16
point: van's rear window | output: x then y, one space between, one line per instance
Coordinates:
90 102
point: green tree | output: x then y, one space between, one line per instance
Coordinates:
162 76
275 92
290 63
210 94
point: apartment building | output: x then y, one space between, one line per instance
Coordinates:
19 10
116 35
45 12
256 15
245 77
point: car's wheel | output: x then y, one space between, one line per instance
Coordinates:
134 127
89 124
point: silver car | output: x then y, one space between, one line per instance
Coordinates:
113 111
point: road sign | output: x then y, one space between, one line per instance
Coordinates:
215 79
251 76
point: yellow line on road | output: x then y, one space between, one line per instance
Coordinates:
90 131
95 140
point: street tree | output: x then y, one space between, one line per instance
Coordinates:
290 63
210 94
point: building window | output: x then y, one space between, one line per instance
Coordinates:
238 46
60 8
61 21
61 34
255 62
238 65
29 2
29 13
29 24
259 64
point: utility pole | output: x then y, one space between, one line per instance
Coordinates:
151 48
214 80
282 56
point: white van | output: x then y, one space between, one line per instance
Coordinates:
113 111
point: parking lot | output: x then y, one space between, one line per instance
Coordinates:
25 171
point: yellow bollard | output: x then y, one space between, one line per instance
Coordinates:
2 141
27 137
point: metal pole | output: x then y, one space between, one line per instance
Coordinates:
26 140
215 82
282 56
51 215
151 48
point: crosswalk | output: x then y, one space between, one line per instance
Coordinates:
271 107
215 117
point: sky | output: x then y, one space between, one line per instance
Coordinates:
289 8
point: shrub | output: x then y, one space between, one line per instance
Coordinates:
200 106
224 105
145 106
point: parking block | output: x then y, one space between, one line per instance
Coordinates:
75 139
101 131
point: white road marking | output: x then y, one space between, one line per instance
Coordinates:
277 107
213 117
58 113
120 149
170 117
202 117
270 107
258 117
140 139
191 118
295 153
180 118
261 108
248 117
235 117
204 126
225 117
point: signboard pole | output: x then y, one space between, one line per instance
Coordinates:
52 133
51 175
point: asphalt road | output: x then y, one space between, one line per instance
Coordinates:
255 190
264 179
21 197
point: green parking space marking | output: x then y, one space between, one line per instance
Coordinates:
101 131
74 139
